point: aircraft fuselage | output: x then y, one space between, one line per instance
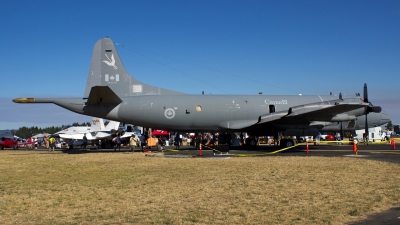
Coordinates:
201 112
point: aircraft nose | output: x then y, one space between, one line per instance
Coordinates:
384 118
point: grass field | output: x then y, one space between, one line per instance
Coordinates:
39 187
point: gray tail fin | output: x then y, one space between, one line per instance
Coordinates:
106 69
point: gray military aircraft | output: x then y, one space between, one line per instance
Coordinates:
114 94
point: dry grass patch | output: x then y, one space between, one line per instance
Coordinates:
123 188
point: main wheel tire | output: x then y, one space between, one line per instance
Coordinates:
251 142
289 143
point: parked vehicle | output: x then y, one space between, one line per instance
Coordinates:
330 137
375 134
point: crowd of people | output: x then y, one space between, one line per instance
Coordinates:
138 142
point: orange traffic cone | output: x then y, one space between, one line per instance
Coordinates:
354 146
200 151
394 144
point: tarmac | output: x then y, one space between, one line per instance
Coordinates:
381 152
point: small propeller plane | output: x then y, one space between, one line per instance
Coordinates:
112 93
8 142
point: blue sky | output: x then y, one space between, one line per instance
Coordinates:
219 47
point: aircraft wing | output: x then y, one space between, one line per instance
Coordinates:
322 111
129 134
101 135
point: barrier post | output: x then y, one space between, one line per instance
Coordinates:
307 148
393 144
200 151
355 147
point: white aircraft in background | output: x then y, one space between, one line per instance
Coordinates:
96 131
105 132
73 132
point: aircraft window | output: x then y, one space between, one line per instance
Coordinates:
271 108
198 108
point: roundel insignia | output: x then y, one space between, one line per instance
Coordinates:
169 113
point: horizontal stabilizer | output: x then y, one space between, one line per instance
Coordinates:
102 95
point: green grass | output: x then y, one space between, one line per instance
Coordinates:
125 188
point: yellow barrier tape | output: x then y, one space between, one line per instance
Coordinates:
252 154
266 153
343 142
358 142
209 148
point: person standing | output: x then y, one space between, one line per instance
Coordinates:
84 142
132 142
46 141
118 143
388 136
160 144
36 142
142 140
29 143
338 139
318 139
177 141
52 144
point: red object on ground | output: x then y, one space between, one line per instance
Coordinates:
200 151
6 142
160 133
354 146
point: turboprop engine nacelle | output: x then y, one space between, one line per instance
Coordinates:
343 117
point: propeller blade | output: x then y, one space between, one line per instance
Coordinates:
365 93
366 113
366 129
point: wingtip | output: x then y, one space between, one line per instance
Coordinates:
24 100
